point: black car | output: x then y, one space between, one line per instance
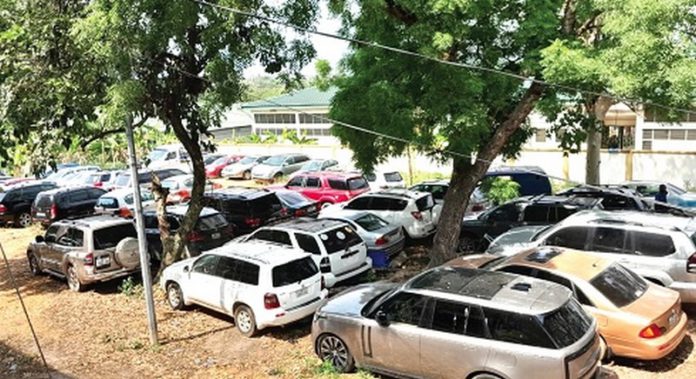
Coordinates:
246 208
297 205
15 202
212 230
61 203
613 198
477 232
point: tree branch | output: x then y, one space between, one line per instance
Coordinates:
109 132
569 17
401 14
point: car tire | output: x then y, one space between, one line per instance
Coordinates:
246 175
245 321
73 281
23 220
608 354
277 177
34 265
332 349
485 375
175 297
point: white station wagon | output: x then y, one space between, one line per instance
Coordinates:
260 284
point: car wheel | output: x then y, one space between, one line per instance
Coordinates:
606 350
175 297
485 375
23 220
34 265
73 281
244 319
277 177
332 349
246 175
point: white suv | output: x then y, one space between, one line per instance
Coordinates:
338 250
658 247
260 284
415 211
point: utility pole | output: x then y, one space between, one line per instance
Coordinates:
140 225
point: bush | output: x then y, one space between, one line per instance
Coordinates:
500 190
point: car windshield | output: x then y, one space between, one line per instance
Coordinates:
291 198
514 236
294 272
370 222
248 160
123 180
620 285
339 239
219 161
109 237
157 155
212 222
392 177
275 161
312 166
568 324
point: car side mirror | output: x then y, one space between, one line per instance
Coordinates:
186 269
382 319
39 239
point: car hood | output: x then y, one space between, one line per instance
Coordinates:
510 249
352 301
471 261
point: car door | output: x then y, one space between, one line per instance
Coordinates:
288 165
227 270
502 219
296 183
654 252
240 279
77 201
298 162
45 256
72 239
612 243
204 286
456 339
312 187
396 348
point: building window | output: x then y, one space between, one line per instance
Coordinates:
540 135
662 134
677 134
265 131
691 135
648 134
647 145
314 118
653 114
316 132
274 118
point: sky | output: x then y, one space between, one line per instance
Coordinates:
327 48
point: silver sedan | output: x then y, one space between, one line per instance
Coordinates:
378 234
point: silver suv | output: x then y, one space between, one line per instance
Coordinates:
658 247
86 251
278 166
459 323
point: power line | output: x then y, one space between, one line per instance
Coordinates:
438 60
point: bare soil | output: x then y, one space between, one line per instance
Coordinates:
102 333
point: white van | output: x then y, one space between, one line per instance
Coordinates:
169 156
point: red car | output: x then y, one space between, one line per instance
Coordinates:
329 187
214 169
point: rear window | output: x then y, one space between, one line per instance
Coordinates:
425 203
293 272
107 202
339 239
338 184
568 324
211 222
44 200
536 213
371 222
620 285
357 184
392 177
265 205
653 244
109 237
292 198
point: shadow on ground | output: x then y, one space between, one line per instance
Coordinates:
15 364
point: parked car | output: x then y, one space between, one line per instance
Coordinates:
99 179
259 284
169 157
296 204
85 251
413 211
612 198
15 202
478 231
315 165
121 202
111 184
14 181
328 187
242 168
532 179
439 188
79 178
676 195
638 319
214 169
180 187
377 233
60 203
61 175
337 249
658 247
380 180
459 323
125 180
211 230
210 158
277 166
516 239
246 208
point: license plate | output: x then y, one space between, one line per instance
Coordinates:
40 214
301 292
673 319
103 261
216 236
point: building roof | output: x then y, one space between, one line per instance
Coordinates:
308 97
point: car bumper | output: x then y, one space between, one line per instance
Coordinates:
331 280
421 231
280 316
651 349
687 291
6 218
89 278
232 175
391 250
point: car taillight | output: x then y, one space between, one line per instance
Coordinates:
217 185
270 301
325 265
252 222
300 213
652 331
98 184
690 263
381 240
54 211
3 208
125 212
195 236
88 260
417 215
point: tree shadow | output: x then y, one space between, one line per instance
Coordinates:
668 363
15 364
28 283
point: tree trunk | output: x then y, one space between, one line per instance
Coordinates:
600 107
465 177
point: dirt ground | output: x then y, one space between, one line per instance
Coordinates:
102 333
